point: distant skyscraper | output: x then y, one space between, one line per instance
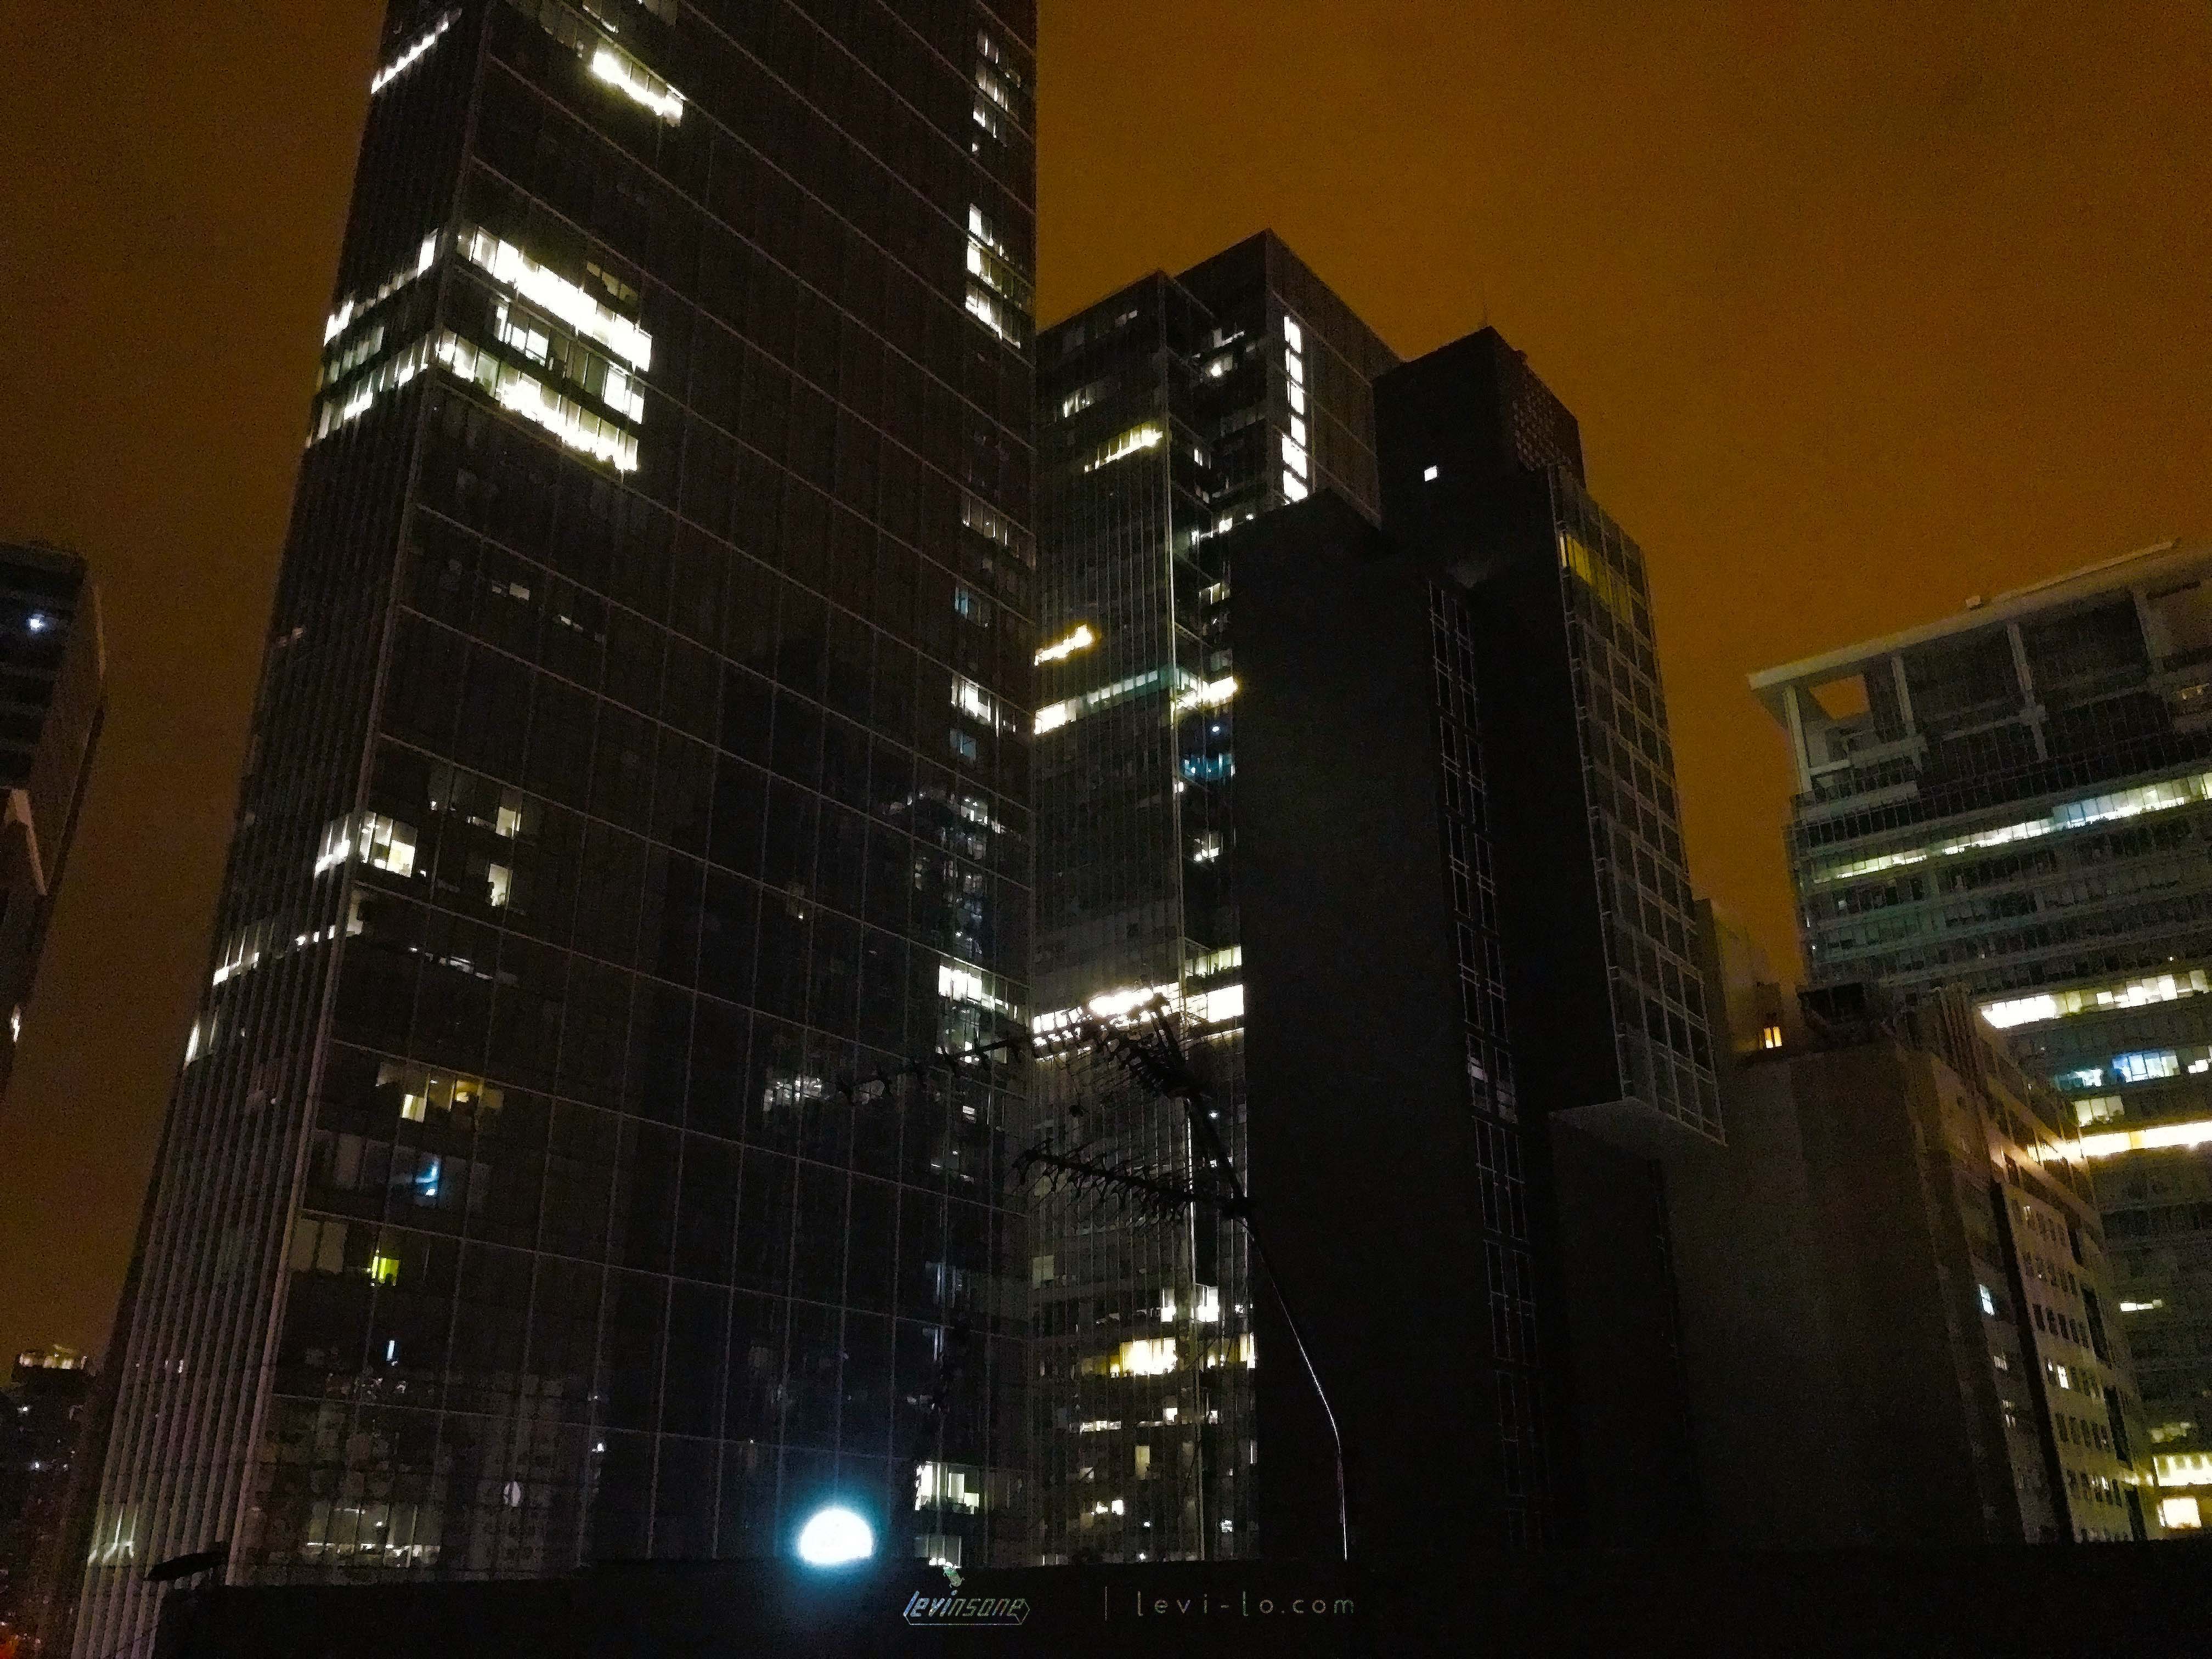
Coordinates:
1168 415
41 1418
639 767
2018 800
53 697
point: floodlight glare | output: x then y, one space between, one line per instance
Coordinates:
836 1538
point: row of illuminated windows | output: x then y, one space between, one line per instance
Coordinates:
606 61
2141 1066
574 427
1887 927
2039 863
1985 953
2122 994
1296 444
2167 796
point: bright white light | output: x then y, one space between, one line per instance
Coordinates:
1430 475
36 624
2071 815
1081 640
399 65
510 265
2139 1140
1132 442
836 1538
638 83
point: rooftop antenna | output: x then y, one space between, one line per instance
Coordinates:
1144 1046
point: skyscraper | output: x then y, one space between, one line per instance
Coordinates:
1169 414
639 769
1503 1034
1452 736
53 698
2017 800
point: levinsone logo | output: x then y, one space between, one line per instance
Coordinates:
969 1612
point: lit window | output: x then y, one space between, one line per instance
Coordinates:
2100 1109
378 842
1428 475
1132 442
1294 488
948 1487
2122 994
572 425
1081 640
1293 336
511 268
2111 1145
1151 1356
1770 1037
2179 1514
413 53
2165 797
498 879
384 1269
1988 1301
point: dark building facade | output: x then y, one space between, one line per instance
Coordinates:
2017 800
1898 1298
639 767
42 1414
53 698
1169 414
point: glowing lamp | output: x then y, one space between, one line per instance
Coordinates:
836 1538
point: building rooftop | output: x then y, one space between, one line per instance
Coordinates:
2129 570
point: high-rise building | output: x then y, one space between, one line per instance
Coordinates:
42 1411
1900 1321
1168 415
638 777
53 696
2017 800
1438 661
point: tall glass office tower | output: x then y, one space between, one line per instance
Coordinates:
2018 800
1170 414
639 769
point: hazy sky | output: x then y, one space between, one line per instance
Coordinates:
1864 308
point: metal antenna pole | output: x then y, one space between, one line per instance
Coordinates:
1164 1070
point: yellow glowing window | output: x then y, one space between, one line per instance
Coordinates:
384 1269
1770 1037
1081 640
1592 571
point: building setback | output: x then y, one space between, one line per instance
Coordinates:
1896 1287
53 698
2018 800
1168 415
639 767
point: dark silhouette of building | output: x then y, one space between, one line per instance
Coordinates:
1898 1295
2017 800
639 767
53 696
1169 414
42 1414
